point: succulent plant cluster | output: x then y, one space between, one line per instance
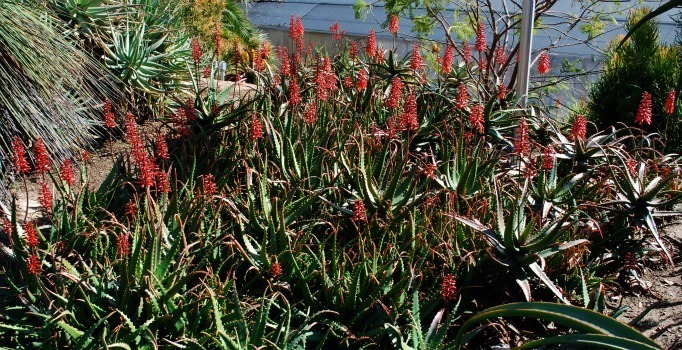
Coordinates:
354 200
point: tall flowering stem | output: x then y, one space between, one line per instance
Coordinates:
579 129
462 98
543 63
395 94
416 60
480 38
644 111
408 120
669 106
446 61
41 158
466 52
371 48
476 118
19 156
393 25
522 142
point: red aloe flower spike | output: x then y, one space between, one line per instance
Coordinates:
347 82
480 37
310 116
162 182
335 30
208 185
500 56
284 64
393 24
41 157
362 80
19 156
122 245
462 98
669 106
416 60
476 119
408 120
547 158
45 196
294 92
275 270
67 173
644 110
30 234
579 128
359 211
543 63
196 51
161 147
446 62
395 94
147 170
33 265
108 116
466 52
522 143
448 288
371 48
130 209
353 50
216 40
255 128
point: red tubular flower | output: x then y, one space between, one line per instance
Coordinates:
41 157
216 40
67 173
310 116
359 211
353 50
543 63
362 80
196 51
162 182
255 129
522 143
296 32
33 265
347 82
45 196
207 71
161 147
579 128
275 270
480 38
130 209
476 119
669 106
466 52
500 56
208 185
393 24
547 158
30 234
122 245
446 62
416 60
395 94
108 116
429 170
19 156
371 48
284 64
408 120
462 98
644 110
147 172
335 30
448 288
294 92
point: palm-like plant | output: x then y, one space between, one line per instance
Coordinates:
49 88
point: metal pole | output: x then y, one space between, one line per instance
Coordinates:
526 45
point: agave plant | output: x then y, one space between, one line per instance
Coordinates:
519 245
